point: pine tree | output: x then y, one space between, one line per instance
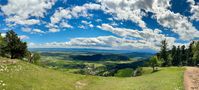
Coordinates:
164 53
178 57
15 47
174 56
189 57
183 55
196 53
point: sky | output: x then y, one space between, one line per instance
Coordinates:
138 25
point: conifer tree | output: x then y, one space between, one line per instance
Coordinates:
196 53
183 55
164 53
15 47
173 55
190 61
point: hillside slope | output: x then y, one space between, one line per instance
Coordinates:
19 75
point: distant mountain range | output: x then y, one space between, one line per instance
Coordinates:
89 50
78 52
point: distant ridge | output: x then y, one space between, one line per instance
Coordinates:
90 50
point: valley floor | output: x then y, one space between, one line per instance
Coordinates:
19 75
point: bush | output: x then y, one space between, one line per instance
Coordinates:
127 72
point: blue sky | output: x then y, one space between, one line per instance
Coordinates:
102 24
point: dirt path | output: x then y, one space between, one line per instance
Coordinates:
191 78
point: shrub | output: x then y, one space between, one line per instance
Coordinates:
127 72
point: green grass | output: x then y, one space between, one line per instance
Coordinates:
25 76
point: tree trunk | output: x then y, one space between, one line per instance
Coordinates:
12 55
153 68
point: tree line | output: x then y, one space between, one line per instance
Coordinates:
177 56
11 46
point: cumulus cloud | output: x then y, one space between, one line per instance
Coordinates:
20 11
98 20
133 10
65 25
26 29
179 24
147 35
82 27
37 31
54 30
194 10
101 42
88 23
19 20
32 31
74 12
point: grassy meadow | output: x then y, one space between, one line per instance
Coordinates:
20 75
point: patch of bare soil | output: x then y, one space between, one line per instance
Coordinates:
191 78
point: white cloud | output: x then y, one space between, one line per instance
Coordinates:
133 10
19 11
26 29
66 25
32 31
85 22
152 37
98 20
111 19
91 25
82 27
23 37
73 12
37 31
88 23
194 10
101 42
53 30
178 23
18 20
76 12
60 14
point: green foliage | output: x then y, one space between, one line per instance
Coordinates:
36 58
190 52
2 46
174 56
14 46
154 62
196 53
183 56
180 56
127 72
164 53
138 71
